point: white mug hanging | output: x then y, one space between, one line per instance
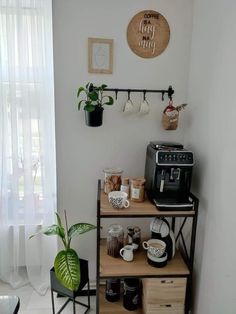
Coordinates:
144 106
129 106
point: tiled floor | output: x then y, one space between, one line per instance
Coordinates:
32 303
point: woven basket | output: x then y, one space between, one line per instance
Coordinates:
170 122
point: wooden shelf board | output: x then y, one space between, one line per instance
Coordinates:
143 209
112 307
117 267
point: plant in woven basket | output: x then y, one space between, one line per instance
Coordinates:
66 263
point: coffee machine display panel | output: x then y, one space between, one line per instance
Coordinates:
176 158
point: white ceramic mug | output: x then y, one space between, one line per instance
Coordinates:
144 107
127 253
128 107
118 199
155 247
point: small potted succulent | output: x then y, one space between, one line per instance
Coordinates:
69 271
93 101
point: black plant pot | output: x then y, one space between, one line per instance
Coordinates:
94 118
61 290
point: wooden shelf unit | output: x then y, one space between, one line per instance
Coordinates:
109 267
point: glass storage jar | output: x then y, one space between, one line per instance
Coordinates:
115 240
112 181
137 190
134 237
125 186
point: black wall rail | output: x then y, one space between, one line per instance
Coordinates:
168 91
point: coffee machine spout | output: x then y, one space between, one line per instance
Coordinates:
174 174
162 180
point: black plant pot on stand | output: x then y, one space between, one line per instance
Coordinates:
56 286
94 118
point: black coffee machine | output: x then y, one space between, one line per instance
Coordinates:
168 174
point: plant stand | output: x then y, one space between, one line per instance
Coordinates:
62 291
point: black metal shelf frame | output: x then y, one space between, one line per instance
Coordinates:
170 91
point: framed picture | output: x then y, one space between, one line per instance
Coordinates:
100 55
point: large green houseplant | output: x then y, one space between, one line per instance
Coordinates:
67 263
93 101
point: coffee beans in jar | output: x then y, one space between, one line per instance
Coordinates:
112 180
115 240
137 190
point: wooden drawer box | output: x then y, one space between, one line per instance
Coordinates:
164 295
164 309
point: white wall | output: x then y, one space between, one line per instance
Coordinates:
211 134
83 152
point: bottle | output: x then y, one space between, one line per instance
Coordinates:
125 186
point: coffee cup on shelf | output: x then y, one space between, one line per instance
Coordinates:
118 199
155 247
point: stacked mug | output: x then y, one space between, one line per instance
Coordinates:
156 252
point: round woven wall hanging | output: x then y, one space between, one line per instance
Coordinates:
148 34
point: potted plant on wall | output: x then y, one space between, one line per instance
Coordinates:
93 103
68 269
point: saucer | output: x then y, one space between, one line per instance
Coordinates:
157 261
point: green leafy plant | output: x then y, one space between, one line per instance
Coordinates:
93 97
66 263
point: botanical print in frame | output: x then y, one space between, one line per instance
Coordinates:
100 55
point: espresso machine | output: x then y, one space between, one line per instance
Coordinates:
168 174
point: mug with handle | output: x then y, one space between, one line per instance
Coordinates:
118 199
144 106
129 106
155 247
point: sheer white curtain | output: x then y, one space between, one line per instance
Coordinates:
27 152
